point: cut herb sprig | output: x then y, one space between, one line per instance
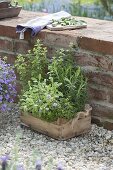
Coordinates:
67 22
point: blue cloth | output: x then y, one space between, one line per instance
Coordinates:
37 24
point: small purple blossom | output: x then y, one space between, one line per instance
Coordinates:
4 159
4 107
20 167
60 167
38 165
7 85
1 97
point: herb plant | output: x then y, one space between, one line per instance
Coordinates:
29 66
46 101
7 85
68 22
54 88
73 82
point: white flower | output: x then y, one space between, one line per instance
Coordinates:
55 104
39 101
47 108
40 110
48 96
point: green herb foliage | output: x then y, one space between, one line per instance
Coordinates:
74 84
46 101
53 88
29 66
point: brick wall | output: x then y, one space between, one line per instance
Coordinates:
93 52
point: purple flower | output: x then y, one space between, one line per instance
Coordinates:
20 167
38 165
1 97
0 87
59 167
7 97
4 160
7 85
4 107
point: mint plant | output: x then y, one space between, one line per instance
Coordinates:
54 88
45 101
7 85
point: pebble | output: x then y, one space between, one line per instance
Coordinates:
92 151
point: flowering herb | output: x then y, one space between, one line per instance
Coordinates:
7 85
59 167
38 165
4 159
20 167
52 89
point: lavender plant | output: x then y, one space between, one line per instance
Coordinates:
6 164
4 161
7 85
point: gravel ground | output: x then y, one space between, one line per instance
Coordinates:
92 151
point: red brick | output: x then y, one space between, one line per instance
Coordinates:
6 44
97 93
85 59
106 123
99 77
41 35
21 46
111 95
102 109
59 40
10 56
8 31
104 62
96 45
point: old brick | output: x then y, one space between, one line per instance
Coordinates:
96 120
106 123
85 59
97 93
21 46
59 40
41 35
6 44
99 77
102 109
10 56
8 31
110 95
96 45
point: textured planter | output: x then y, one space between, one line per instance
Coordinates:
7 11
61 129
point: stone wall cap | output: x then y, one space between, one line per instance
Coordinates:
98 36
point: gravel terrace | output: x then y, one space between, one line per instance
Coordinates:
92 151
